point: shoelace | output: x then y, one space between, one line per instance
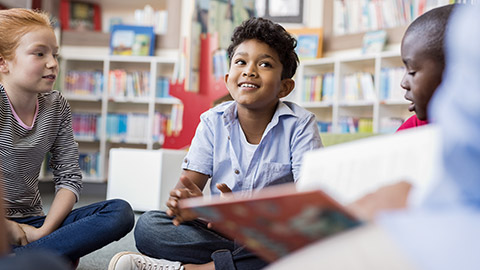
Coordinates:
143 266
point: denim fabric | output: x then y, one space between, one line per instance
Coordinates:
84 230
35 260
191 242
216 149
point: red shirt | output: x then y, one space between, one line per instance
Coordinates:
412 122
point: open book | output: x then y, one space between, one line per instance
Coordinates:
276 220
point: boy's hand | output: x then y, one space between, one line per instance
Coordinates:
16 235
188 190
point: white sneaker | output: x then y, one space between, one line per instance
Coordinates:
135 261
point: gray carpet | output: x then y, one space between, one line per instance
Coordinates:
99 259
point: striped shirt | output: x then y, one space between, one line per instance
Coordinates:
23 149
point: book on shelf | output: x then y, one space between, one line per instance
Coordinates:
83 83
132 40
358 86
374 41
85 126
324 126
327 87
124 83
274 221
309 42
390 79
367 15
89 164
80 16
163 88
318 87
349 124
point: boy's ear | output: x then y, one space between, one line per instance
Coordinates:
226 78
286 87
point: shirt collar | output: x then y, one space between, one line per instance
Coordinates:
229 111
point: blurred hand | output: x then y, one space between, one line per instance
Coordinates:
189 190
389 197
15 234
224 189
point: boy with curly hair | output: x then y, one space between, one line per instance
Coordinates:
243 145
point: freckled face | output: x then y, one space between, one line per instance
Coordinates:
254 79
34 67
423 74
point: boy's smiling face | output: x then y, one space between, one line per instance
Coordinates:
423 74
254 79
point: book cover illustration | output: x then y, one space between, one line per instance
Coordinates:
275 221
132 40
80 16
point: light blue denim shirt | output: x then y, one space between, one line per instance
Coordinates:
216 149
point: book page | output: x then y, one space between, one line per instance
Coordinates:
350 170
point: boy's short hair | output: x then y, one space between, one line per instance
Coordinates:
431 27
274 35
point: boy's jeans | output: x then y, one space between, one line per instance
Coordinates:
84 230
191 242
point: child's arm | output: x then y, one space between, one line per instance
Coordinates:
61 207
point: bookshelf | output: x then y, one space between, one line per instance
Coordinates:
345 22
105 117
378 112
106 113
348 89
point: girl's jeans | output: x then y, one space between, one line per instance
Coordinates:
84 230
191 242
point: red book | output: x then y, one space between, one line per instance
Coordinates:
275 221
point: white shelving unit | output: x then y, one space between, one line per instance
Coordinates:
332 110
105 103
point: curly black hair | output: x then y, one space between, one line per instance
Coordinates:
274 35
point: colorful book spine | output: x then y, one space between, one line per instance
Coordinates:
124 83
368 15
390 80
358 86
83 82
85 126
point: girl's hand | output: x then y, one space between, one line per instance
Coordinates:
189 190
32 233
15 234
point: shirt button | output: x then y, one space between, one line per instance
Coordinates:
229 137
185 160
236 171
